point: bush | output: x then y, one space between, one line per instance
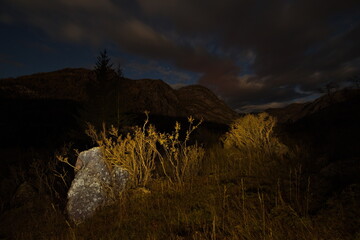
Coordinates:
137 152
252 143
180 161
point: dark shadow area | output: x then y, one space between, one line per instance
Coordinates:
36 122
333 131
330 138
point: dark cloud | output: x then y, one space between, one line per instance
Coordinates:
248 52
280 33
158 70
7 60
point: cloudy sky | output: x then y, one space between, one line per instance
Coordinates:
251 53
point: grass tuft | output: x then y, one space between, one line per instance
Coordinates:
245 187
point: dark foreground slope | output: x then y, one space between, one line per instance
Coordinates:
329 130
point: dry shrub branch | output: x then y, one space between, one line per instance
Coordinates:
137 151
251 142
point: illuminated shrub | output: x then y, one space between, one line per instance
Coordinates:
137 152
180 162
252 144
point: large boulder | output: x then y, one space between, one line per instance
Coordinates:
95 185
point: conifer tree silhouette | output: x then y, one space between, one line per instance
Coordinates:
103 66
104 105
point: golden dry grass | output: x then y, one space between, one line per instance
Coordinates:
195 193
139 151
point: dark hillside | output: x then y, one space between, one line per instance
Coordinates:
43 109
36 122
63 84
329 131
202 103
297 111
329 125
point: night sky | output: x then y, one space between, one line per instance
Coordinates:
252 53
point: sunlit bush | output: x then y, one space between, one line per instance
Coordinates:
180 161
137 152
252 143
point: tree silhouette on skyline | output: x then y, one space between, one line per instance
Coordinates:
104 104
103 66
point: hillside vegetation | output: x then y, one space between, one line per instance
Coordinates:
250 185
197 169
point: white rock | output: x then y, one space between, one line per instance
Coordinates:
89 190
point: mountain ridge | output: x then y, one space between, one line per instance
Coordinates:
297 111
137 96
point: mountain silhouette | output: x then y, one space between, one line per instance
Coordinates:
297 111
136 96
47 104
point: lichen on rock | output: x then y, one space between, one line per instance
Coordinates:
94 185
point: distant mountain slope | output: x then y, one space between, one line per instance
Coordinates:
297 111
202 103
62 84
150 95
136 95
328 129
330 125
